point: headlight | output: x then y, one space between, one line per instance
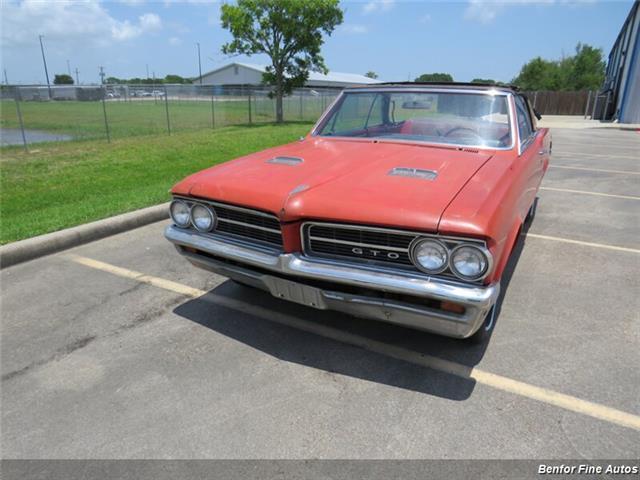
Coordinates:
202 218
430 256
179 211
469 262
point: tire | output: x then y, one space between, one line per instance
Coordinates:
484 332
532 211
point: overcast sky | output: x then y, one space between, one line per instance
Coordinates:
397 39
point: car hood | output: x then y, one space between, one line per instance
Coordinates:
343 181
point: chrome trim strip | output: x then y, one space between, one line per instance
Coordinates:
290 161
510 106
229 206
357 244
522 146
409 233
249 225
413 173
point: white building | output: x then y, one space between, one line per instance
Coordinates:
246 74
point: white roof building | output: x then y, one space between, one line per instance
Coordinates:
237 73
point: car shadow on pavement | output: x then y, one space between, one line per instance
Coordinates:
222 310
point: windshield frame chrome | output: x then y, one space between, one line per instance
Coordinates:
489 91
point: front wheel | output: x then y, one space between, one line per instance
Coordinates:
484 332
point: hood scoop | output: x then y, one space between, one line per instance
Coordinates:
291 161
413 173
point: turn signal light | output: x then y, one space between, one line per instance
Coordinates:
452 307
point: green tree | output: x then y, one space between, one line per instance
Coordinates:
435 77
62 79
371 74
538 74
171 78
584 70
588 68
486 81
289 32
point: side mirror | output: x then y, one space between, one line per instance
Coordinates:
537 115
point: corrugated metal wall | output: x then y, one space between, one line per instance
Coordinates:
630 105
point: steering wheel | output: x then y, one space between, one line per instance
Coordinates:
455 129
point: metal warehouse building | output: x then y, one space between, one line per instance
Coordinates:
622 83
247 74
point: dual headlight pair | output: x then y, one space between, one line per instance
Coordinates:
466 261
200 216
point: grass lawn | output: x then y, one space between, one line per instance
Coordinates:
59 185
85 120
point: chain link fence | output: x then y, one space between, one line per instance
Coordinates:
31 114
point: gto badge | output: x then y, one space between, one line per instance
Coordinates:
376 253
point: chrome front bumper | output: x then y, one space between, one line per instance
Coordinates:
293 277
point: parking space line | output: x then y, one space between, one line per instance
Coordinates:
139 277
599 155
584 192
498 382
624 172
580 242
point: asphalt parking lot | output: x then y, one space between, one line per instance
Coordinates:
121 349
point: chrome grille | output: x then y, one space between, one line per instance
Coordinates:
367 244
370 245
246 224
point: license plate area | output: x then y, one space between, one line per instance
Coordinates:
296 292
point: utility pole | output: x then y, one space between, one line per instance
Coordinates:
101 75
6 80
44 60
199 63
68 68
147 71
77 78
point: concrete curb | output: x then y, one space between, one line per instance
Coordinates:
49 243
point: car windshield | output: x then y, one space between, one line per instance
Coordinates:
465 119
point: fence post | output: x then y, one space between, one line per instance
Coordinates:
104 113
213 111
595 103
605 112
535 98
166 108
300 92
249 99
586 109
19 112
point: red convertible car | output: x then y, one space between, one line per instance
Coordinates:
402 204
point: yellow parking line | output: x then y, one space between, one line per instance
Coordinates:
139 277
497 382
584 192
624 172
580 242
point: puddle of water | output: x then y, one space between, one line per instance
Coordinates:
13 136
